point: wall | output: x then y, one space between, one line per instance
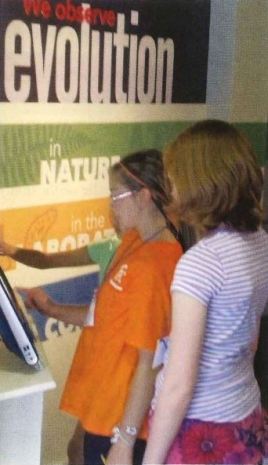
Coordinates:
50 202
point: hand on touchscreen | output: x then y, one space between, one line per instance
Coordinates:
37 298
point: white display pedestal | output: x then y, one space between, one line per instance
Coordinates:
21 409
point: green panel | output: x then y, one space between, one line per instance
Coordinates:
22 147
258 135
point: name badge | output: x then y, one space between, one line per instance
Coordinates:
90 316
160 352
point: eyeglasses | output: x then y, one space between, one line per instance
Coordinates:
121 195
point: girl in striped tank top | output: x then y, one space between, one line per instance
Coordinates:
206 407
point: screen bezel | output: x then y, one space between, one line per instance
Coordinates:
6 333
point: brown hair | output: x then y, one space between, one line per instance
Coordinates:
146 169
216 177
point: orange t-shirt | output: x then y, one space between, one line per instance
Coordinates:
132 312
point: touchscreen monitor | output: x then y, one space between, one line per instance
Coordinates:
15 326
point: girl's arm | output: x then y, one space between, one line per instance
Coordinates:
42 260
138 402
188 327
71 314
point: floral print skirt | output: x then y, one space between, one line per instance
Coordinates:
200 442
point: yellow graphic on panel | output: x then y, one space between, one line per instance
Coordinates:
55 228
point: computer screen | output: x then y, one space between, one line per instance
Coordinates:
15 326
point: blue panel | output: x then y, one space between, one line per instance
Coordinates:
77 290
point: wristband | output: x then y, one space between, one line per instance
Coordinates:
128 436
131 430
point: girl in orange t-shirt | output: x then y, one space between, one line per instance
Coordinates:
110 384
